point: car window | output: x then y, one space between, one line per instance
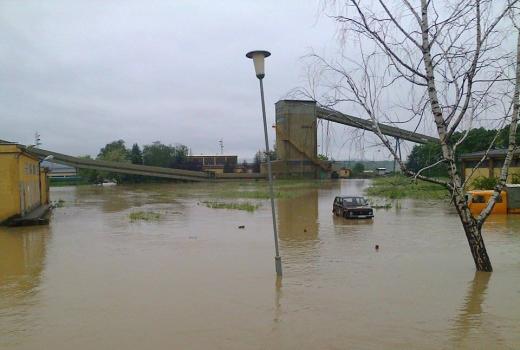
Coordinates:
348 201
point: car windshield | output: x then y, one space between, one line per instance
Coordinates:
353 201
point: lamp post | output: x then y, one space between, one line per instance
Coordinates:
258 58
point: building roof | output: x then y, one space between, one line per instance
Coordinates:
493 153
210 155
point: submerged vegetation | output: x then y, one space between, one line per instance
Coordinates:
260 190
247 206
402 187
144 216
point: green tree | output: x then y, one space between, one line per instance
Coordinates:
257 161
136 156
358 169
157 154
115 152
180 156
478 139
425 155
88 175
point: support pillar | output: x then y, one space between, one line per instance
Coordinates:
296 140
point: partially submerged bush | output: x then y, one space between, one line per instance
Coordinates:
250 207
396 187
144 215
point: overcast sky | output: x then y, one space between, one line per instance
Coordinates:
83 73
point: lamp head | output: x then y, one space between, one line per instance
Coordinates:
258 57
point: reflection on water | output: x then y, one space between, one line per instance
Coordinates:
22 257
22 260
298 219
278 300
472 320
194 280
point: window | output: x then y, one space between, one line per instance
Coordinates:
479 199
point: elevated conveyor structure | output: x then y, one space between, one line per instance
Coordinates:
296 137
388 130
122 168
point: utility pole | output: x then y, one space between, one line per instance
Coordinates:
221 145
37 140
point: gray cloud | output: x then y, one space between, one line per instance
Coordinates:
85 73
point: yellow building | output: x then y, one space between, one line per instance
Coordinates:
473 166
23 184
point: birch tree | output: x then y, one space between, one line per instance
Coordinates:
449 65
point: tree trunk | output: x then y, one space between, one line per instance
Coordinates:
477 246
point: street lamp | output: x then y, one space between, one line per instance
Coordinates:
258 58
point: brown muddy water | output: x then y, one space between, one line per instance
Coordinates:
93 279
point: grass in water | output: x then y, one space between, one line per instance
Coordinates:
260 190
59 203
402 187
250 207
144 216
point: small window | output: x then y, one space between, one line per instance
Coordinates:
479 199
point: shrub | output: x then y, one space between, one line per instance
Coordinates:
515 178
484 183
144 216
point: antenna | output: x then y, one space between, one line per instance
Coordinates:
221 145
37 139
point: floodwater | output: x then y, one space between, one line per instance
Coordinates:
93 279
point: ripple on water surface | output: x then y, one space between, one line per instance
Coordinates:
189 277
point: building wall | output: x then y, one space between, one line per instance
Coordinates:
19 182
215 170
10 194
44 189
29 183
485 173
291 169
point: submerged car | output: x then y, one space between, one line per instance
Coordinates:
351 207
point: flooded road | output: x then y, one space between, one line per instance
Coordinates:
94 279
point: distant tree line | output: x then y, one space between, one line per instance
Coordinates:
478 139
155 154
